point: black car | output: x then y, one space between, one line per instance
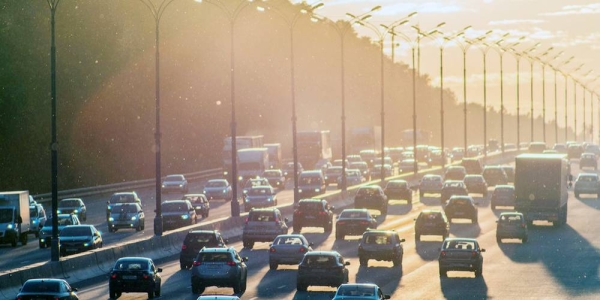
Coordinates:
79 238
476 184
460 254
47 288
472 165
177 213
288 170
371 197
398 189
432 222
353 222
313 213
200 204
194 241
380 245
221 267
511 225
451 188
494 175
125 197
455 173
134 275
321 268
588 160
461 207
574 151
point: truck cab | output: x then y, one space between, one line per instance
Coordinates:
14 217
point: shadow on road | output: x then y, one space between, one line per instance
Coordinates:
464 228
388 277
463 287
429 250
431 201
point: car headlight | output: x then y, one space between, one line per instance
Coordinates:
181 185
35 221
203 191
299 190
185 217
163 185
86 244
133 218
224 191
58 211
198 207
111 219
317 190
240 178
245 191
225 173
109 207
10 226
75 211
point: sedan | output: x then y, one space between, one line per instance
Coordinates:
587 183
460 254
453 187
259 196
200 204
275 178
353 177
47 288
322 268
79 238
175 183
359 291
476 184
353 222
218 189
398 189
134 275
288 249
74 206
461 207
503 195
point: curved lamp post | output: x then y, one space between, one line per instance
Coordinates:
555 69
291 21
583 91
575 100
543 63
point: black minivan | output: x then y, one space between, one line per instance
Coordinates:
194 241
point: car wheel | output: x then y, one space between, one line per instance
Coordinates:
237 287
113 294
327 227
157 292
417 237
23 239
498 239
421 194
273 265
138 228
493 207
576 195
363 261
474 220
443 272
248 244
42 245
151 293
244 284
479 271
524 240
197 289
397 261
37 235
182 266
339 236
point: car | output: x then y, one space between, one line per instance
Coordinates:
476 184
494 175
353 177
455 173
396 153
323 165
511 225
288 170
460 254
64 220
510 172
218 297
457 153
332 174
200 204
592 148
47 288
587 183
574 151
453 187
177 213
124 197
79 238
536 147
386 161
363 167
134 275
73 205
432 222
313 213
461 207
430 184
368 155
376 171
321 268
260 196
38 218
407 165
380 245
338 162
175 183
263 225
194 241
503 195
221 267
311 183
288 249
398 189
275 178
126 215
252 182
474 150
359 291
588 160
436 159
353 158
472 165
371 197
353 222
218 189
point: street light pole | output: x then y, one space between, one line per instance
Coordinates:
575 101
555 69
55 244
518 55
543 63
583 89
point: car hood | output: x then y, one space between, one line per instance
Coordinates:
258 198
214 189
173 182
174 213
75 238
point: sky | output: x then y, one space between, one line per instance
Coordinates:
571 27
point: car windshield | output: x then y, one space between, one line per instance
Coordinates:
308 180
511 219
259 192
41 287
587 178
6 215
124 209
353 214
472 179
128 198
33 212
216 184
174 178
174 207
272 174
69 203
334 171
504 191
493 171
130 265
432 179
75 231
459 201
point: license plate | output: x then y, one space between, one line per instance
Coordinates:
129 277
71 250
459 213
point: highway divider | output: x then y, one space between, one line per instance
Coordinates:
99 262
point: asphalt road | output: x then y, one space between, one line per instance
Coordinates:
556 263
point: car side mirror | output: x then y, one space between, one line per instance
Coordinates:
245 258
482 250
402 240
286 220
347 263
107 202
73 289
158 270
310 244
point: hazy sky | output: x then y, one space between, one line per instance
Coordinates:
570 26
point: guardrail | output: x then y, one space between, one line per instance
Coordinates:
123 186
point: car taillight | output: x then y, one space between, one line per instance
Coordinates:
523 225
443 253
246 220
474 254
276 220
341 222
302 250
196 263
183 247
113 276
146 276
272 250
364 222
231 263
322 213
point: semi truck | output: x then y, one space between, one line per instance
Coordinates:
14 217
423 137
364 138
242 142
252 162
541 184
313 147
275 157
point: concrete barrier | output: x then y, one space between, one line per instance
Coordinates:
80 267
105 259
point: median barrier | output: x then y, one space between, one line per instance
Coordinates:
105 259
80 267
41 270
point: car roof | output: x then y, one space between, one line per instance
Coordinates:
81 226
460 239
268 209
316 172
587 175
355 209
505 186
322 252
217 180
203 232
217 250
398 180
70 199
311 200
431 211
173 201
45 280
124 193
134 258
453 197
432 176
511 213
379 231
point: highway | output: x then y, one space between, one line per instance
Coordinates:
556 263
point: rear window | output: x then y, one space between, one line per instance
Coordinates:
378 239
310 205
504 191
41 287
460 245
262 216
320 260
214 257
432 179
431 217
473 179
459 201
397 185
353 214
493 171
288 240
131 265
358 291
367 192
192 239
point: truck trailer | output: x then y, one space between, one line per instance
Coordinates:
14 217
541 187
252 162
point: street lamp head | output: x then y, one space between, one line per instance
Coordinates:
376 8
440 25
412 14
317 6
365 18
349 15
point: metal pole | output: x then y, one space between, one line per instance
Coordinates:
532 118
566 106
518 106
294 116
555 110
414 95
158 225
55 244
544 101
442 107
382 118
484 106
343 113
584 112
574 109
465 96
235 205
501 102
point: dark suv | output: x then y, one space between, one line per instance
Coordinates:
221 267
313 213
472 165
196 240
263 225
134 275
322 268
311 183
461 207
178 213
371 197
380 245
588 160
432 222
494 175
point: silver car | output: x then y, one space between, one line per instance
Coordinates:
259 196
217 189
288 249
175 183
73 205
221 267
355 291
587 183
126 215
